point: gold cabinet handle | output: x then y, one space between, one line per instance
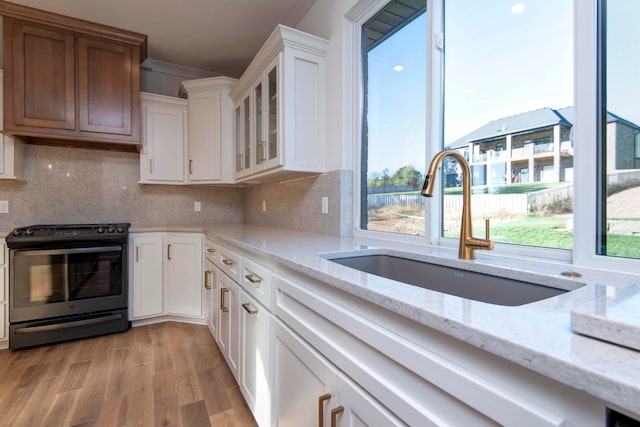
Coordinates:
223 291
207 285
334 415
248 309
227 262
169 251
150 166
239 162
256 280
321 401
190 166
211 250
137 258
263 151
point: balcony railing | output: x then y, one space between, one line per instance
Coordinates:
521 153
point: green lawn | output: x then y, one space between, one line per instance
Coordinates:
534 230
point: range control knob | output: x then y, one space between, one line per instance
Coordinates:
120 230
17 232
111 229
100 229
28 232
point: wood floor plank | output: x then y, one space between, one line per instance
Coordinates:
76 376
34 412
167 412
214 395
60 411
163 374
195 415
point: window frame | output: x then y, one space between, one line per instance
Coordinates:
588 97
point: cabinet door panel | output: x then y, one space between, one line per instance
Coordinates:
302 377
104 86
205 163
164 142
255 326
229 322
184 275
43 72
147 276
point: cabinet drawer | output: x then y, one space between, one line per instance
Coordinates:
229 262
256 280
211 251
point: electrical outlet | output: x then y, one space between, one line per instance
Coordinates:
325 205
4 206
197 206
264 206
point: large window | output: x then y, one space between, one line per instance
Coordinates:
619 195
394 133
496 82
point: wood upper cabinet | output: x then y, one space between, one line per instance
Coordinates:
70 82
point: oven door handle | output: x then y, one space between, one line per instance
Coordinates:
92 249
67 325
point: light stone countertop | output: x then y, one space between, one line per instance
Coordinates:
537 335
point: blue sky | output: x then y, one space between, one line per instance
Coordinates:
502 58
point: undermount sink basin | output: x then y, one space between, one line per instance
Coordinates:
453 281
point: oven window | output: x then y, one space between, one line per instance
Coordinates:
44 277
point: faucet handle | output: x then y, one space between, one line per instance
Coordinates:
486 228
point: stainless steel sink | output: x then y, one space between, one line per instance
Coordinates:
449 280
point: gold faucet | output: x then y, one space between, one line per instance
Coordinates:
468 243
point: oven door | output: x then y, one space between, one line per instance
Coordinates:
61 282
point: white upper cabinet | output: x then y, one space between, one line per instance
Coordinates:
210 128
279 108
164 139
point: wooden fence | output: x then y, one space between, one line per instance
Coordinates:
523 203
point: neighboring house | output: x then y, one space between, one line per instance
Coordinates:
538 146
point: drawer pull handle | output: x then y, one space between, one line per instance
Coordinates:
334 415
211 250
223 291
207 285
169 251
321 401
248 309
253 279
228 262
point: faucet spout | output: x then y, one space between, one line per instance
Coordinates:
468 243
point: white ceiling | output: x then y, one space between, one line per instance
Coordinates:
220 36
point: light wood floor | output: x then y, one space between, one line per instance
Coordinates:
168 374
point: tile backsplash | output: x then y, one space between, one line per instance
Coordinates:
71 185
297 204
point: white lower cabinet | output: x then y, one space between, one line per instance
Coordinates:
148 275
211 297
310 391
166 276
229 322
184 275
322 357
255 380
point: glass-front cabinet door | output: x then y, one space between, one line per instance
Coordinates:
246 120
259 142
239 143
272 113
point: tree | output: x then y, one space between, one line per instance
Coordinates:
407 175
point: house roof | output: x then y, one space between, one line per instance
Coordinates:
528 122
